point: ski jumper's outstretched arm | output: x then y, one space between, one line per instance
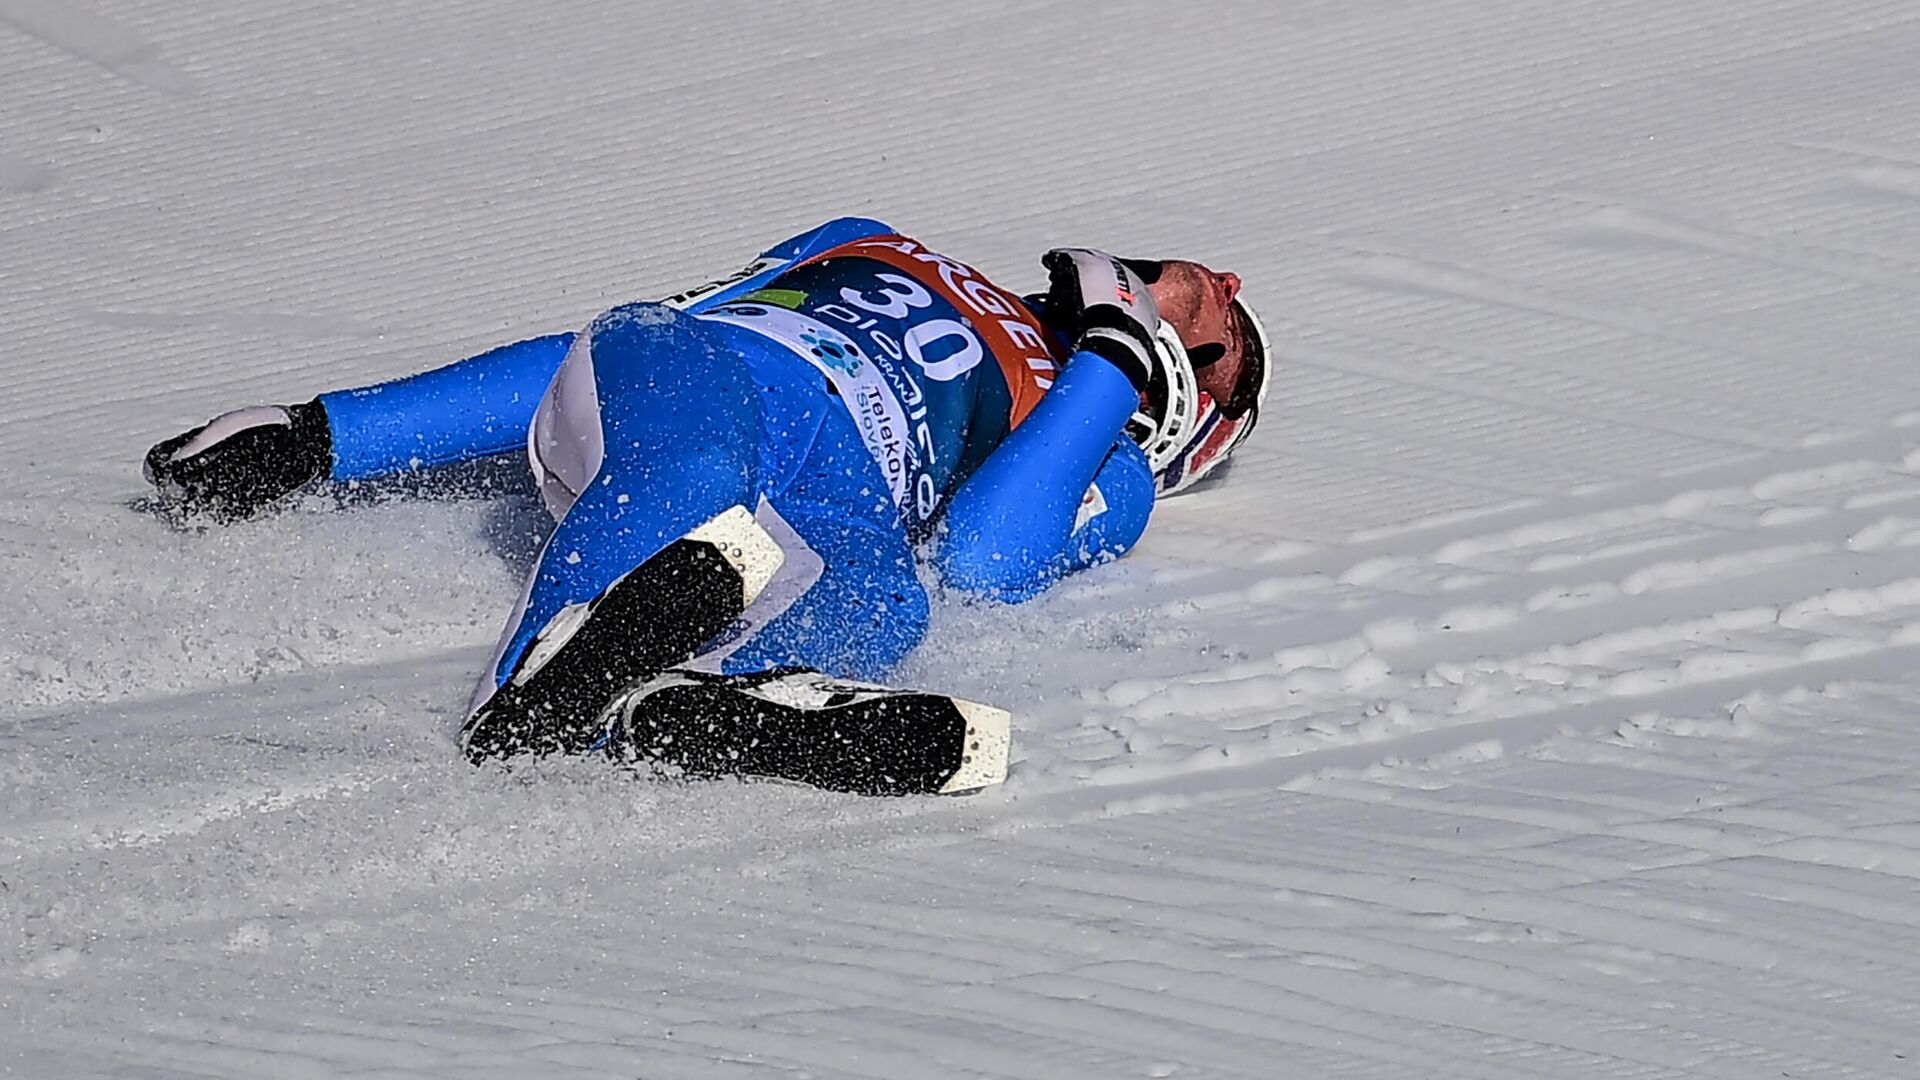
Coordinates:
484 404
1065 491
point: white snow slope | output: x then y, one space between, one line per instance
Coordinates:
1536 699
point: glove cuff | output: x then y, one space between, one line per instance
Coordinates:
1121 349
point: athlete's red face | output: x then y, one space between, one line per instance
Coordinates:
1198 304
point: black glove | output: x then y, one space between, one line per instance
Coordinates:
230 467
1107 306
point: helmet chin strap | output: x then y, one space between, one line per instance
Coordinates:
1205 356
1170 412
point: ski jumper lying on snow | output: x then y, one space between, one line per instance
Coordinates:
743 476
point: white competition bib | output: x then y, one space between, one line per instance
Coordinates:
862 388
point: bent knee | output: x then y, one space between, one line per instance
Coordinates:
983 570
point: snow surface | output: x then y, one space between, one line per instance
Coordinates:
1536 699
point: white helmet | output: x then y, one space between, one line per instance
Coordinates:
1185 432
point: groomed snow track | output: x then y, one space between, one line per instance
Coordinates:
1534 700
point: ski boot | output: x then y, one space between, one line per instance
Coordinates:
655 616
798 724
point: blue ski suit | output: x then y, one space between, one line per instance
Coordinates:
869 396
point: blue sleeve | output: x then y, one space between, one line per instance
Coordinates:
1114 514
479 406
1063 492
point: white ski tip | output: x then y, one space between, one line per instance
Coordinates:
745 544
228 424
983 761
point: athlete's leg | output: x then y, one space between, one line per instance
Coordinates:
653 427
859 620
772 713
867 609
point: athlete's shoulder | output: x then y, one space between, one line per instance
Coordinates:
775 261
826 237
